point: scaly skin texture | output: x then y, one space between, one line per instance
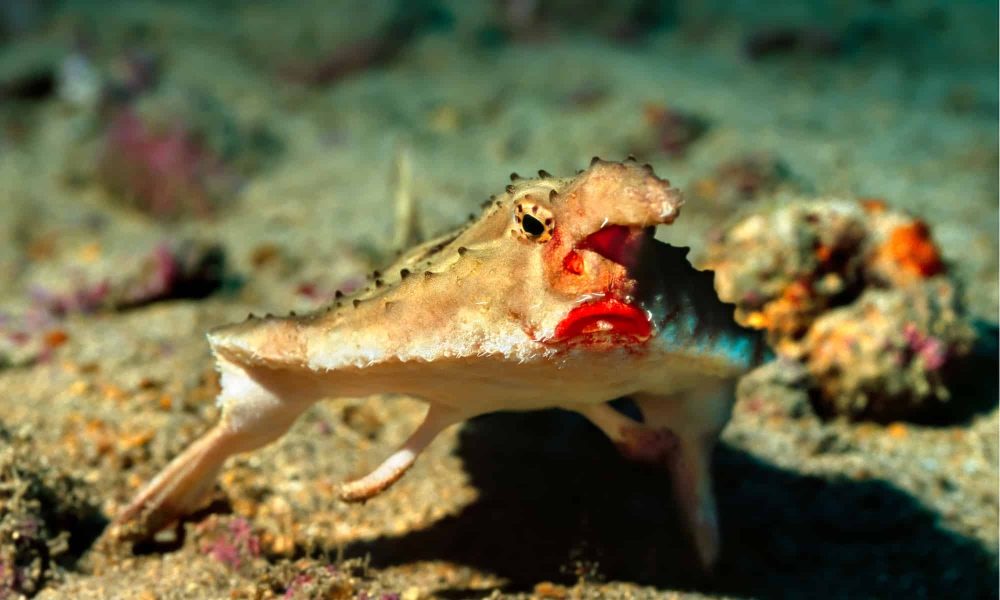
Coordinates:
557 296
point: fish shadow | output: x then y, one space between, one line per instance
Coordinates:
557 503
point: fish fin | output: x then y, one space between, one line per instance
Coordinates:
437 419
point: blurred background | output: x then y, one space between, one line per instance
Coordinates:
166 167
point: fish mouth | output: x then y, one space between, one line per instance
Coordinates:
609 319
605 320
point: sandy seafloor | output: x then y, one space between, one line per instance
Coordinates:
510 505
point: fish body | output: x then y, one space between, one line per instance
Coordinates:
559 295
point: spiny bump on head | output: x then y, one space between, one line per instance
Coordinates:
338 294
404 273
462 250
553 195
514 176
356 302
510 189
544 174
594 160
630 158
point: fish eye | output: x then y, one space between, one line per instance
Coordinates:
532 226
533 221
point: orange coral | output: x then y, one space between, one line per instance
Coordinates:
791 313
911 247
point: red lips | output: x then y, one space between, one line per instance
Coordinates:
604 318
608 319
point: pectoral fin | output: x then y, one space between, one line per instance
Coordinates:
393 468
